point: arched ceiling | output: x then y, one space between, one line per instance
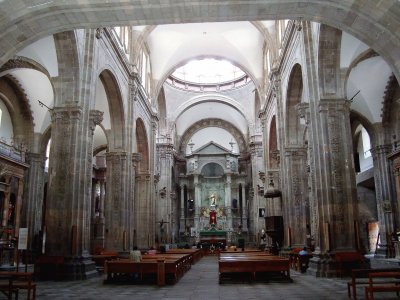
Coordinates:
370 78
239 42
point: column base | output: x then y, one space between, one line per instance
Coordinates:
79 268
322 265
382 251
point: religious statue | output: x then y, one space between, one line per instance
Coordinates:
213 199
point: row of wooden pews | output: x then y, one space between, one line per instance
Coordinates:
162 268
255 264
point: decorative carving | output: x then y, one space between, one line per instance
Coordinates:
95 118
65 115
260 190
261 175
163 192
303 110
99 32
136 157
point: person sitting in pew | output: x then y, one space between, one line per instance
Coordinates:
135 254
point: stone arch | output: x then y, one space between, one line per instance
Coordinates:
362 21
66 85
116 109
211 122
211 98
19 108
293 98
21 62
142 146
357 119
162 111
392 89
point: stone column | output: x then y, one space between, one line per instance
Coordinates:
182 224
244 209
62 200
228 203
145 219
165 203
6 201
384 199
18 204
257 200
33 197
295 207
337 205
100 221
116 220
68 206
197 193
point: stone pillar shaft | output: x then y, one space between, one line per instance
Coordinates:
383 194
33 196
182 212
116 208
296 209
337 205
228 200
197 193
244 208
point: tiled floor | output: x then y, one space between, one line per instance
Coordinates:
200 282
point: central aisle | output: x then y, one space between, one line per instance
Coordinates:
199 283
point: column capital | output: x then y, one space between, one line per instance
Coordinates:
381 150
334 105
95 118
66 114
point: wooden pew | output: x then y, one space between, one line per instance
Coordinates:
12 282
253 264
172 266
196 254
375 283
99 259
182 263
360 277
346 261
49 267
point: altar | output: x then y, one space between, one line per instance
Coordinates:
213 237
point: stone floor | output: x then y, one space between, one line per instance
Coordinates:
200 282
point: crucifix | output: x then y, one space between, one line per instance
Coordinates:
161 226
